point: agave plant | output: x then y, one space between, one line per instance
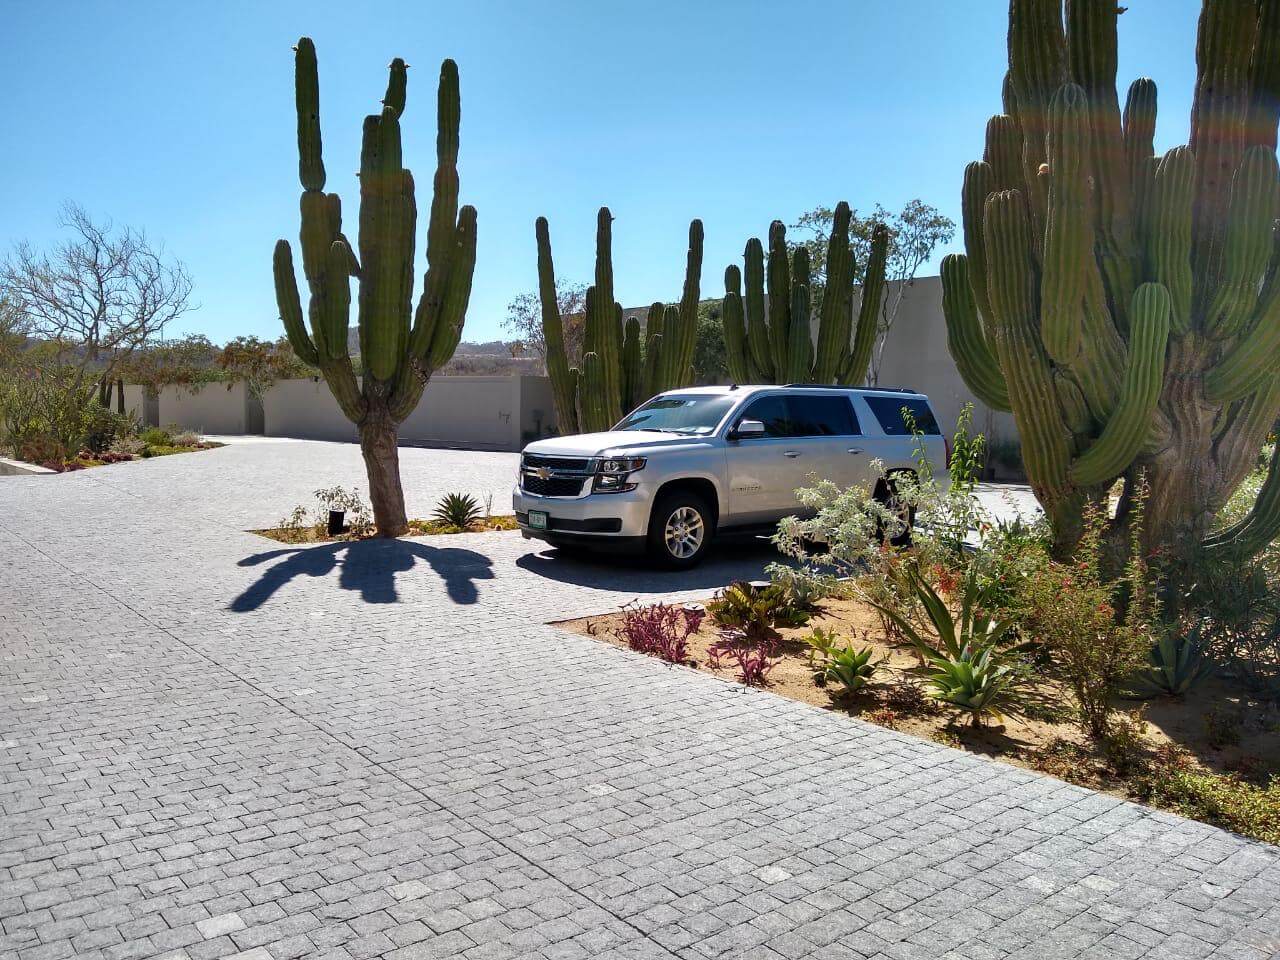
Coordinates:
1177 663
457 510
972 629
851 669
977 681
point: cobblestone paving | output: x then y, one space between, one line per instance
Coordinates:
213 745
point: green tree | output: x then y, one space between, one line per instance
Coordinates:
709 362
915 233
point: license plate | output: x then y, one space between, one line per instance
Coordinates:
538 519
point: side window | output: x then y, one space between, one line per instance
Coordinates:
773 413
822 416
888 412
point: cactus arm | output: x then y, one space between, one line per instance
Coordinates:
336 305
1254 205
1130 422
689 296
965 339
800 345
396 87
758 339
1003 152
1261 525
307 97
632 371
868 325
603 317
1168 237
1265 83
1046 441
779 277
653 349
457 293
979 183
834 321
591 394
290 304
1092 46
1250 362
1224 46
735 331
1068 245
556 357
1139 124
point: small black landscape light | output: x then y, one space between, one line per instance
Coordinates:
337 522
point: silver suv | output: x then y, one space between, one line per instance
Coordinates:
704 462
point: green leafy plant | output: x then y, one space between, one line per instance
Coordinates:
971 627
754 611
156 437
850 668
1176 663
457 510
980 682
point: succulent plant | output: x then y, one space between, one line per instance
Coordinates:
621 365
1178 662
1126 307
769 339
400 347
457 510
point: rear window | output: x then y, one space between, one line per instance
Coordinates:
889 413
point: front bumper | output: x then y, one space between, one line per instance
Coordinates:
604 519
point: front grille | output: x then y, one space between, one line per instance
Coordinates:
566 464
552 486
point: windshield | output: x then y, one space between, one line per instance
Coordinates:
695 414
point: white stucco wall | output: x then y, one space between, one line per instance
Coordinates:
207 408
304 409
916 356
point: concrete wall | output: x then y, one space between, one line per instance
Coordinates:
483 413
916 356
206 408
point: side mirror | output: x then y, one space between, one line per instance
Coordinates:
746 429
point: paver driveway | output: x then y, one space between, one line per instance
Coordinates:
212 745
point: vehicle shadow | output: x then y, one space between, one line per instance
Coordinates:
729 561
368 566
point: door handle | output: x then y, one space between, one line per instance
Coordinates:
855 449
791 453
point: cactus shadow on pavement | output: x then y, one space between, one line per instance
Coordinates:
369 566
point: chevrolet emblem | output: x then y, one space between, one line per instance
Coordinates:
542 473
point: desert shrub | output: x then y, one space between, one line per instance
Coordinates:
46 412
102 427
132 446
458 510
156 437
1235 604
186 438
1223 727
661 630
1172 781
1096 631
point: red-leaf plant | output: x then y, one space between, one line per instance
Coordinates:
660 630
753 653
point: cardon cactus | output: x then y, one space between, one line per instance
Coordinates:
399 347
621 365
769 340
1124 307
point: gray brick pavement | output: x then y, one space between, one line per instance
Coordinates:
211 746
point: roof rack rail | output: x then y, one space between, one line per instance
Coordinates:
845 386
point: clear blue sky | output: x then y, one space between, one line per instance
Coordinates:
178 117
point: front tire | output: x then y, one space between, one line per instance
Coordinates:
887 495
681 527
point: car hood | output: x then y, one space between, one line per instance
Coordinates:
595 444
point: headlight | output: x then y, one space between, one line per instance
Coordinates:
613 473
617 465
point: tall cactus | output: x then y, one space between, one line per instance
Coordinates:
1127 308
621 366
399 347
774 344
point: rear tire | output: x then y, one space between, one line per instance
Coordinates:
681 528
886 494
